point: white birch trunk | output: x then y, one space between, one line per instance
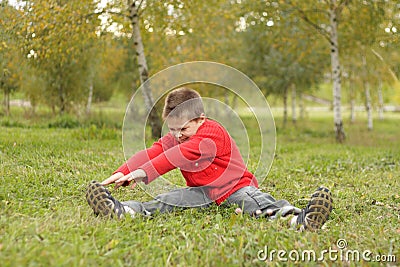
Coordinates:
285 106
6 102
301 106
368 106
336 73
352 111
380 99
352 97
227 106
234 101
143 69
90 97
140 56
294 115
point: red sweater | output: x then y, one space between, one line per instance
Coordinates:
210 158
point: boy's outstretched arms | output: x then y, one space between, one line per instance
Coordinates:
120 179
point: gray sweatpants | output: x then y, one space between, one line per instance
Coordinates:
250 199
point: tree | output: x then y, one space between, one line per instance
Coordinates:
324 17
58 36
108 69
367 36
281 58
133 10
10 57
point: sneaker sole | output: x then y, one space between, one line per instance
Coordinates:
98 199
319 209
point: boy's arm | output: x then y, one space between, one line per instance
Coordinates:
123 175
183 156
144 156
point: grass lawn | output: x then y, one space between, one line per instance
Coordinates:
45 220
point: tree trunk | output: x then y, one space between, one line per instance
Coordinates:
227 106
62 99
285 107
89 102
336 74
352 111
380 99
301 106
234 101
294 115
6 102
154 119
352 96
230 105
368 107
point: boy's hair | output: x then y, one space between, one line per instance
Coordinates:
187 100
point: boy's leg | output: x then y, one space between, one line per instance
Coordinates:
251 200
102 203
189 197
260 204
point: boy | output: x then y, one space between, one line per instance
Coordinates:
212 166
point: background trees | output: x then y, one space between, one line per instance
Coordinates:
58 43
66 54
283 57
11 61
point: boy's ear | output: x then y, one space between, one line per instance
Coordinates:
202 117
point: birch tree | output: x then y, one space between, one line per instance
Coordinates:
334 12
281 54
324 17
367 35
131 12
361 25
367 90
170 32
154 119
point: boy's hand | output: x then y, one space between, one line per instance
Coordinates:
135 176
112 178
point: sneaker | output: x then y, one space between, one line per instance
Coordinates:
102 203
317 210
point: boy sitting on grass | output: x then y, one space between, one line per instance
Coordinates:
212 166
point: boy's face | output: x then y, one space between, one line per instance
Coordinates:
182 129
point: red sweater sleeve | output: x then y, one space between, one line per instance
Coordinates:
181 156
143 156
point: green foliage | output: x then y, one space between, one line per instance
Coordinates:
7 122
45 220
100 119
59 38
11 60
281 50
94 133
64 121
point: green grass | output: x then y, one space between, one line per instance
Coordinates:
45 220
